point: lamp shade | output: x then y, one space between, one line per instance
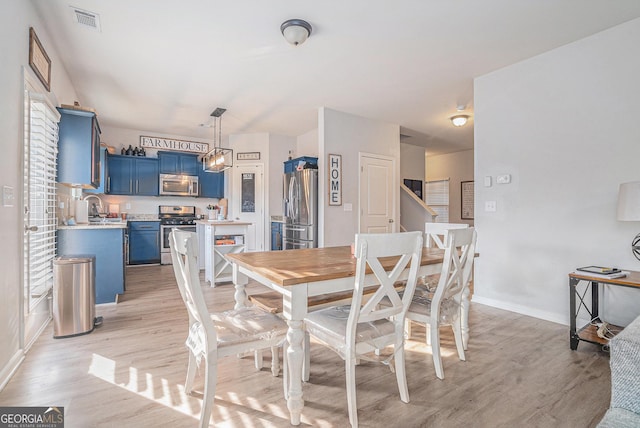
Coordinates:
296 31
629 201
459 120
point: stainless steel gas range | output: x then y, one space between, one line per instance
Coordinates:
174 216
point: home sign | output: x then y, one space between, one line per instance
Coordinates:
335 179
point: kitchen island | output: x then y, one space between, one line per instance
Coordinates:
106 242
221 237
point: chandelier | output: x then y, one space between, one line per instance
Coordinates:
218 159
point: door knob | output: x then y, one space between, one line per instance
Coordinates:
30 228
390 220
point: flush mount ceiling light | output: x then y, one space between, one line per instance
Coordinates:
459 119
218 159
295 31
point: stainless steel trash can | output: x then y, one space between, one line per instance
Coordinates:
74 295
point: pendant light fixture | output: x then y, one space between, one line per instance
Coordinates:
220 158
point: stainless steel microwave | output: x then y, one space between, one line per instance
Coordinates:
178 185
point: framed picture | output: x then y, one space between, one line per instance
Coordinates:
39 60
466 200
248 156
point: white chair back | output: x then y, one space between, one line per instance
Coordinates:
456 268
435 233
369 248
184 250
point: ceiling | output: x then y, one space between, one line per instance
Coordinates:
163 66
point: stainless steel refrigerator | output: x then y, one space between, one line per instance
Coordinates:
300 226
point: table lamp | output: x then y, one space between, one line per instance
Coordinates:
629 209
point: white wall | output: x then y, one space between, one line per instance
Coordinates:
348 135
307 144
279 148
458 167
412 162
564 124
15 20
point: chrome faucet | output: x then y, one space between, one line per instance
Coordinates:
94 210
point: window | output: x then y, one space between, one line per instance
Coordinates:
437 197
40 150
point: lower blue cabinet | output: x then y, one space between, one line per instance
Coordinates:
144 242
107 245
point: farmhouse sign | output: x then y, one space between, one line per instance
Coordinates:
335 179
173 145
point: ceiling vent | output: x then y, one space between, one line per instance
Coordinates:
86 19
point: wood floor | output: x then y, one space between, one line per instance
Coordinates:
130 372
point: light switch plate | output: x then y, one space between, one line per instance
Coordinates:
503 179
7 196
487 181
348 207
127 206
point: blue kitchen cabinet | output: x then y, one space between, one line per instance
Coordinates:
178 163
292 164
130 175
78 149
103 173
211 184
276 235
144 242
107 245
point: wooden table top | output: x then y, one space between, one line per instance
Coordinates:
290 267
631 280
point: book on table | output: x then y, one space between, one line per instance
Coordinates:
601 272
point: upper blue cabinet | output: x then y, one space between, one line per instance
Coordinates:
178 163
211 184
102 188
131 175
79 149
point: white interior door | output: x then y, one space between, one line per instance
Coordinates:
247 201
377 194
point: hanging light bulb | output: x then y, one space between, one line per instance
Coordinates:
218 159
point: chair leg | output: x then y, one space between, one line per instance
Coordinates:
407 328
401 374
464 316
435 350
211 376
191 374
258 359
275 361
457 334
306 365
350 367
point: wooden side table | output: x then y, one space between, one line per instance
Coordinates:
588 332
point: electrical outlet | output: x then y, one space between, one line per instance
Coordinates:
490 206
127 206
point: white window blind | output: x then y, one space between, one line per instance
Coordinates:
40 152
437 197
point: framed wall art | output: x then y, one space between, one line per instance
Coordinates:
466 200
39 60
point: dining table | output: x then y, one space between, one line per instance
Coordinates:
302 273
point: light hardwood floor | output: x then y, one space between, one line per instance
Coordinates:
130 372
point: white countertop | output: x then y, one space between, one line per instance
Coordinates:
223 223
108 225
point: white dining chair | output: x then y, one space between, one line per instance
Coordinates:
356 331
215 335
443 307
434 238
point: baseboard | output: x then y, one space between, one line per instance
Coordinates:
10 368
523 310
